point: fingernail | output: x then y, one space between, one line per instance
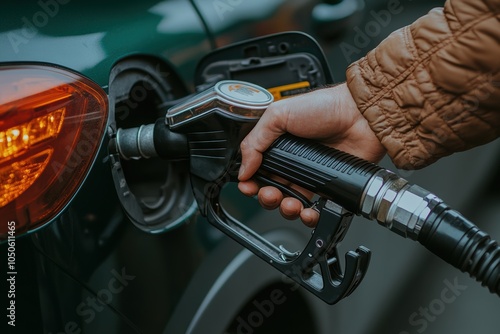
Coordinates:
241 171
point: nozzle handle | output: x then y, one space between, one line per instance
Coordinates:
330 173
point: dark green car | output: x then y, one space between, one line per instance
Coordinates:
92 244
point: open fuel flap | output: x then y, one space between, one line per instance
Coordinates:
156 195
285 64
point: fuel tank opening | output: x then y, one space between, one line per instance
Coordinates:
155 194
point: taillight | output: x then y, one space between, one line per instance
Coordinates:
51 125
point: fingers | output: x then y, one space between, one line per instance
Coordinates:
290 208
248 188
270 198
309 217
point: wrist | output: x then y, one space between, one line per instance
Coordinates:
362 137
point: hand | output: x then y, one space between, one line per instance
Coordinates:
328 115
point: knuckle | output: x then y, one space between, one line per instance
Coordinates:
244 146
276 111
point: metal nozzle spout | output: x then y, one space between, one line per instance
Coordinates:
149 141
136 143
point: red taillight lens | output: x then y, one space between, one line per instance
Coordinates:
51 125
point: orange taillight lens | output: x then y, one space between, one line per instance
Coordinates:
51 125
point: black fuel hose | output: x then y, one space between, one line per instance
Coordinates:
459 242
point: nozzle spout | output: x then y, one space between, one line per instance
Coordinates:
151 140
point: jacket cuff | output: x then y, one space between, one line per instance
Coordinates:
416 86
375 81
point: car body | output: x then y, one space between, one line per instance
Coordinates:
91 270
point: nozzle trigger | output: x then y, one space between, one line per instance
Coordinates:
317 267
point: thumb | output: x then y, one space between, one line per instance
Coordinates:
266 131
251 158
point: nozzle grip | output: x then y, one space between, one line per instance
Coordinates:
328 172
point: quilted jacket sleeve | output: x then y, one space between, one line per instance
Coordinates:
433 88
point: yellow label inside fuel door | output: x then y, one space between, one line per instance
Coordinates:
282 92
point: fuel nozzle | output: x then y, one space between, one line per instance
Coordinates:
237 101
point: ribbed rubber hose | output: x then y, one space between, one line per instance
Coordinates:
459 242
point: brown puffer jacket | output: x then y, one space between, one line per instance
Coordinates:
433 88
